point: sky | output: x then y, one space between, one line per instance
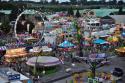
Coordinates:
57 0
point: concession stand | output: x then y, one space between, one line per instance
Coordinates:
120 51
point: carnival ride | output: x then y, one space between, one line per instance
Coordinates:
28 44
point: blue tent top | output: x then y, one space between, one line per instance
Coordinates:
123 34
99 41
66 44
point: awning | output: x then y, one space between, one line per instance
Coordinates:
3 48
66 44
100 41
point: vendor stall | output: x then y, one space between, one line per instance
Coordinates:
120 51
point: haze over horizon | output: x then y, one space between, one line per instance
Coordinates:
57 0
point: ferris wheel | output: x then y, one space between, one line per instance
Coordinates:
35 17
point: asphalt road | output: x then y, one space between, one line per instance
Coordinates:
114 62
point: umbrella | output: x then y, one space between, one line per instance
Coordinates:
112 39
100 41
66 44
123 34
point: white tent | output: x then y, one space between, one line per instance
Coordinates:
46 49
45 61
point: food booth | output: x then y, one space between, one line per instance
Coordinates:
120 51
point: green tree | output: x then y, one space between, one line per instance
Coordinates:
78 14
53 2
45 1
11 0
114 1
5 5
2 17
70 12
2 42
20 0
79 38
103 1
41 1
120 3
83 1
5 27
14 13
73 1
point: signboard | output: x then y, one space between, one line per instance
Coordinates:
91 80
14 77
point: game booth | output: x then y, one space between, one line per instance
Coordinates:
8 75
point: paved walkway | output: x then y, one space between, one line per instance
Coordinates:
62 74
115 62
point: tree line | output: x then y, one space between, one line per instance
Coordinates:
73 2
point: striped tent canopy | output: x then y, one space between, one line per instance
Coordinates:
66 44
3 48
2 51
